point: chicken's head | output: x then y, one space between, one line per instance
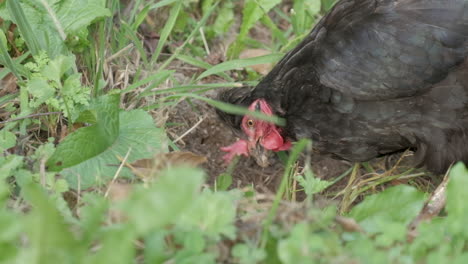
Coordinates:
262 137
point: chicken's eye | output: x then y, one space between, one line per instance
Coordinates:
250 123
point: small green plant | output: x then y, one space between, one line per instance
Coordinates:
57 84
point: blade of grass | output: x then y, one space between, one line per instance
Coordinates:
234 109
24 27
201 64
295 152
173 14
99 60
188 88
6 59
156 79
131 34
241 63
189 38
7 98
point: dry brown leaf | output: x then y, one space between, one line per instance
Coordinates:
145 168
8 84
263 69
348 224
118 191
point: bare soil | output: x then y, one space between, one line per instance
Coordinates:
209 135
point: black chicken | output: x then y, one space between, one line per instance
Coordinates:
373 77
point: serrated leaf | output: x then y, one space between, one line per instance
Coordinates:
55 69
88 142
138 132
205 214
40 90
7 140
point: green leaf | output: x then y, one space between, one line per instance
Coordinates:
77 14
312 184
49 237
225 18
241 63
89 142
7 140
169 25
303 246
26 25
160 205
45 24
457 196
389 212
253 11
9 164
223 181
137 132
205 214
117 247
56 68
40 90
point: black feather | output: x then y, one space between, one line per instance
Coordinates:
375 77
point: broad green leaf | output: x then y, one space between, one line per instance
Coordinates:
45 24
77 14
117 246
400 204
92 215
91 141
456 200
248 254
205 214
137 132
7 140
174 192
389 212
304 246
49 237
241 63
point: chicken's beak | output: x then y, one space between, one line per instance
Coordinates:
260 154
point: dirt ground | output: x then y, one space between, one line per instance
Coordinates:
210 134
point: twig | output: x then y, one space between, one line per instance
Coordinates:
42 171
205 43
30 116
119 53
124 161
190 130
